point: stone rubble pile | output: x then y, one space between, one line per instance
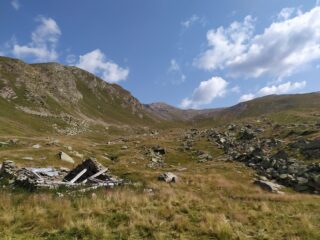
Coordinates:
245 146
189 138
203 156
90 174
309 149
156 154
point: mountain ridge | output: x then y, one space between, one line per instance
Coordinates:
66 92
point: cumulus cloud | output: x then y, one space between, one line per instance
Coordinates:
175 70
96 63
282 88
206 92
192 20
283 48
225 44
274 89
15 4
43 42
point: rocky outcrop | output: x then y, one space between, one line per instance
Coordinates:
156 155
7 93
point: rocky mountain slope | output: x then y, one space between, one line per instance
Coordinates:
69 100
259 106
64 94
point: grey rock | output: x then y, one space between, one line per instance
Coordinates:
283 176
269 186
265 163
302 181
168 177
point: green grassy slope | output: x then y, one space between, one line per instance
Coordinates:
57 91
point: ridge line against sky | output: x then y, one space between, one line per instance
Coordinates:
207 60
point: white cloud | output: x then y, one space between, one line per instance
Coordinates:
192 20
282 88
274 89
96 63
175 70
286 13
206 92
246 97
225 44
282 49
43 42
15 4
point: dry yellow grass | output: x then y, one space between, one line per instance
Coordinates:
213 200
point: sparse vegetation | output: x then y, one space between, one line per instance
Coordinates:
213 199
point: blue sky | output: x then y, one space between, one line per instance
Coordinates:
190 54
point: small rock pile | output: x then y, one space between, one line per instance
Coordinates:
7 93
189 138
156 154
203 156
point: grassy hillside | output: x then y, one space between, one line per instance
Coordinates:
283 108
40 95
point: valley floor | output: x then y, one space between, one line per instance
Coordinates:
214 199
